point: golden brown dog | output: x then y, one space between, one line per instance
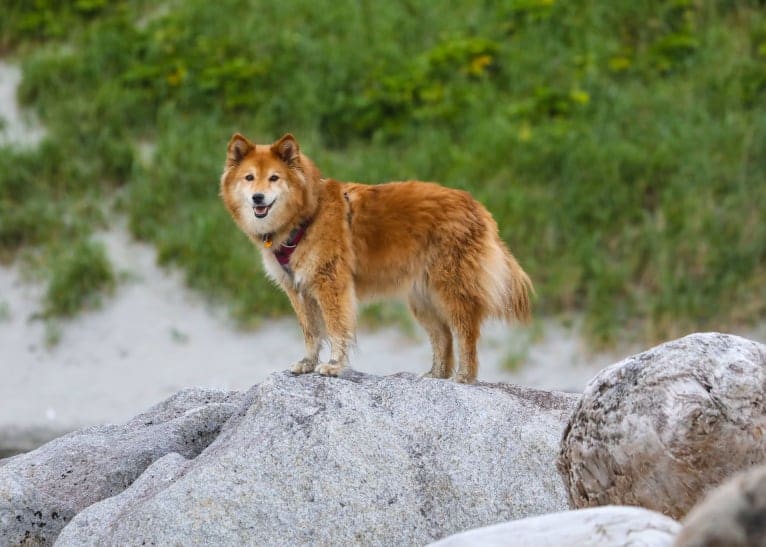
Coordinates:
329 243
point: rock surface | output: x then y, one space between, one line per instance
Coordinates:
596 527
660 428
43 490
732 515
352 460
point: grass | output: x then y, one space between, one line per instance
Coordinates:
619 145
80 275
5 311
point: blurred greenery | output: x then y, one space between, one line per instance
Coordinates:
80 275
620 145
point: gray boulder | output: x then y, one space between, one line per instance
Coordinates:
596 527
732 515
660 428
359 459
43 490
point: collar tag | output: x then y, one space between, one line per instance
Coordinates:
267 242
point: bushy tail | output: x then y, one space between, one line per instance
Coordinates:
508 288
519 289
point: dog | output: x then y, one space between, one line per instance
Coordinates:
328 244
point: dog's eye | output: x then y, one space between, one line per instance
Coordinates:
249 177
273 178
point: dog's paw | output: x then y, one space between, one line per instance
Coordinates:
303 366
333 368
465 379
439 375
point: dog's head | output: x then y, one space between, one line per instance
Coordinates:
266 188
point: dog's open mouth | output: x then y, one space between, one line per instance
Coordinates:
262 210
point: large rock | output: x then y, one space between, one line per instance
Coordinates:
352 460
732 515
42 490
596 527
660 428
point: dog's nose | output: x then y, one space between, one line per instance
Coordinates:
258 199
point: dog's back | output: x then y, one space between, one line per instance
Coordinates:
412 234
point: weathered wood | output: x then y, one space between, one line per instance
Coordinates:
595 527
661 428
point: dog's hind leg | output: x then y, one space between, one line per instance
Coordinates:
463 311
438 333
468 328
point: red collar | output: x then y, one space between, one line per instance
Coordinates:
286 249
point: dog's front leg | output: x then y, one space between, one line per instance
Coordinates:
310 319
337 301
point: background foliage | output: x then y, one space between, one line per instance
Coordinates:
620 145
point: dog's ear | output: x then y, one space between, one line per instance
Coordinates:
238 148
287 150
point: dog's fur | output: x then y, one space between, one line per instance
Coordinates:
436 246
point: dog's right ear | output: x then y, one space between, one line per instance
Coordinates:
239 147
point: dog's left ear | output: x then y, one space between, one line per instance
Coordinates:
287 150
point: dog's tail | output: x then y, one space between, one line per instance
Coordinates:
521 289
510 288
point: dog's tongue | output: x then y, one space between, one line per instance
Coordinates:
261 210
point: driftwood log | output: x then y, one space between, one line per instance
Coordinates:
595 527
661 428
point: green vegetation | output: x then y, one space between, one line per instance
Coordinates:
80 275
620 145
5 311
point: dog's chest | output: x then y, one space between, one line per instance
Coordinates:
276 271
